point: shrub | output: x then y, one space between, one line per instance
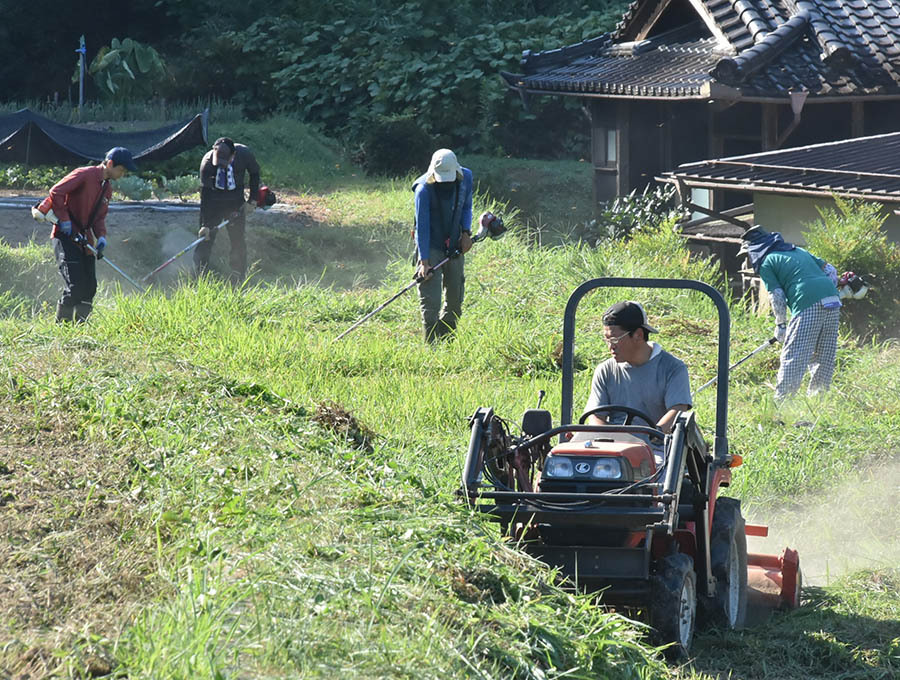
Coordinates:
182 186
126 69
395 146
185 163
621 217
18 176
851 237
133 188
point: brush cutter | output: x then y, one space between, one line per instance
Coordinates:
79 239
770 341
184 250
265 200
43 212
593 502
491 225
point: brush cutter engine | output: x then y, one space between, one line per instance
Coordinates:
266 198
490 225
43 211
852 285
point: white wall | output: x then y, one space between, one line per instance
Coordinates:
791 214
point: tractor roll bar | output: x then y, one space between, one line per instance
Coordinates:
568 358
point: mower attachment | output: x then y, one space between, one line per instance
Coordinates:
776 581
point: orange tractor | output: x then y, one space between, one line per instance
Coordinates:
591 501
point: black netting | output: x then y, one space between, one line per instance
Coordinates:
30 138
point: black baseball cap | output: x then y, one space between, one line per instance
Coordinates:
629 315
119 155
226 142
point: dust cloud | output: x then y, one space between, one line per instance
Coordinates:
852 526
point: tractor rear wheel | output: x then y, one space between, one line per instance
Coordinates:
728 557
673 605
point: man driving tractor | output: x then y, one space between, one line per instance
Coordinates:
640 374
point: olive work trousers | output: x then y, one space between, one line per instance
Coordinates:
438 321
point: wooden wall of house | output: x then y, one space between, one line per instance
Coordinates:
604 130
650 137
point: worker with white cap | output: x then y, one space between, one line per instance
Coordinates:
443 201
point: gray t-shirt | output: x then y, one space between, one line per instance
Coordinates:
653 387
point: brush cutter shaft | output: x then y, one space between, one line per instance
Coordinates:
770 341
113 265
184 250
492 228
389 301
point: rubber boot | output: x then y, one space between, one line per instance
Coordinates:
82 311
64 313
432 334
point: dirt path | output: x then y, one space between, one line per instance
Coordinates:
295 239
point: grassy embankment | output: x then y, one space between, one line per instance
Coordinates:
185 496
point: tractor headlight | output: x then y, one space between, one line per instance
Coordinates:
607 468
558 467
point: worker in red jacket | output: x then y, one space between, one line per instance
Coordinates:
79 202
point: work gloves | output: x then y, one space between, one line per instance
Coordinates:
831 272
205 233
780 332
423 271
100 247
65 226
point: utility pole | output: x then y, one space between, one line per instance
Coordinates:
82 50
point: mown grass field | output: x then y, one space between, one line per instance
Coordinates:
201 483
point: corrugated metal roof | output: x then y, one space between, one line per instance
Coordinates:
865 167
837 48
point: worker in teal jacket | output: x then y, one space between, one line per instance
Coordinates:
807 285
443 201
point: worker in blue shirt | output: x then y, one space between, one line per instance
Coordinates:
443 201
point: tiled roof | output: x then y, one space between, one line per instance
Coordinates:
754 48
867 167
677 70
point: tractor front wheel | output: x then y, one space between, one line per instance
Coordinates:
673 605
728 559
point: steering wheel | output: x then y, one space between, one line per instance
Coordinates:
630 415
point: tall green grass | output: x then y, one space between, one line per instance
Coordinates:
282 548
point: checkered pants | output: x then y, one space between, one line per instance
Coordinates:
810 342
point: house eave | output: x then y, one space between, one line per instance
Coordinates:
707 91
775 189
